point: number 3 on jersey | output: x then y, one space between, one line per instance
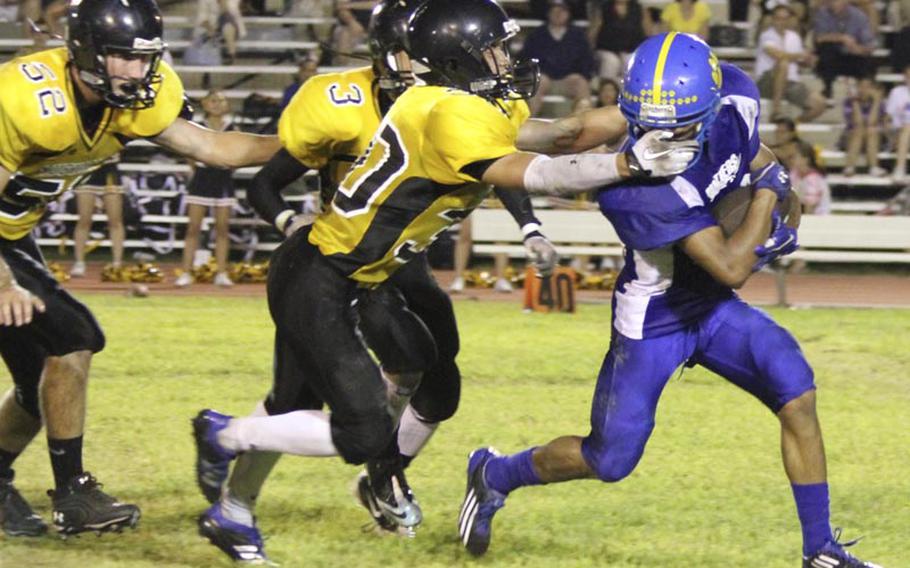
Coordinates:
372 174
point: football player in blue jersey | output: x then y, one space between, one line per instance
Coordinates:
674 302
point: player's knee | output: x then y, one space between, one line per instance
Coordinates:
611 466
439 395
358 439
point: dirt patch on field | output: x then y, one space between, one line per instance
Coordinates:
802 289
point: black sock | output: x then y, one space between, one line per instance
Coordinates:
66 459
6 463
406 461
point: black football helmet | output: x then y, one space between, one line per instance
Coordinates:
456 38
130 28
387 37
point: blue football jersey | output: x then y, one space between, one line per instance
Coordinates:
661 290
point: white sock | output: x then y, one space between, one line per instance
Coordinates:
414 433
249 474
302 433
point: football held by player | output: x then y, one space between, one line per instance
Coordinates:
674 303
63 113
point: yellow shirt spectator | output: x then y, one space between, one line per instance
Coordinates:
686 16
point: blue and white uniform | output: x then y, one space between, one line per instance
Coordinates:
667 311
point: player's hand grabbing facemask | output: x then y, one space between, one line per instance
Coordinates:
783 241
656 154
542 253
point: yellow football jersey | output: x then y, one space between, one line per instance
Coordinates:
411 184
330 121
43 142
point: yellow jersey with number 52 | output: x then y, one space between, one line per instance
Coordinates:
43 141
419 176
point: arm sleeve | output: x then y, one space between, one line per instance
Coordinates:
518 204
264 193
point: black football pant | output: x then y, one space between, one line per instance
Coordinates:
66 326
321 356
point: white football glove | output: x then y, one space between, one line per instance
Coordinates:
656 154
542 254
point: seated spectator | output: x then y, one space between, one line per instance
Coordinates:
864 116
221 20
786 142
306 68
809 182
898 109
780 52
608 94
843 42
540 8
687 16
899 18
566 59
350 31
616 29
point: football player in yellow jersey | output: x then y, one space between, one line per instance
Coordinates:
327 125
63 113
432 160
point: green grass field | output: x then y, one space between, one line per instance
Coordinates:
709 492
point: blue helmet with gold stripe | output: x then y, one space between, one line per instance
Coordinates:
673 80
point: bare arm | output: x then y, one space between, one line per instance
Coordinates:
218 149
509 171
573 134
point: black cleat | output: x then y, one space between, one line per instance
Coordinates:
385 493
240 542
833 555
82 507
16 516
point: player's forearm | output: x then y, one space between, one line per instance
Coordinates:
239 149
518 204
7 280
740 246
264 193
574 174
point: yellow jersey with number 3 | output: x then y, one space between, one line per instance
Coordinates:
42 139
414 181
330 121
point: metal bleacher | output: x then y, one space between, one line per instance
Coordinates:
265 65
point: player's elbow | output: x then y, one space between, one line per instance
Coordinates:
732 275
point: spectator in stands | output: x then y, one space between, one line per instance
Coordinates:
899 17
786 142
222 20
898 109
843 42
463 257
104 183
540 8
616 29
566 59
306 68
864 116
210 187
608 94
350 30
780 52
52 12
687 16
809 182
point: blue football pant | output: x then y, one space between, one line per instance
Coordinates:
738 342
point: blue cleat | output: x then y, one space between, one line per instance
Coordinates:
241 542
212 459
833 555
480 504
